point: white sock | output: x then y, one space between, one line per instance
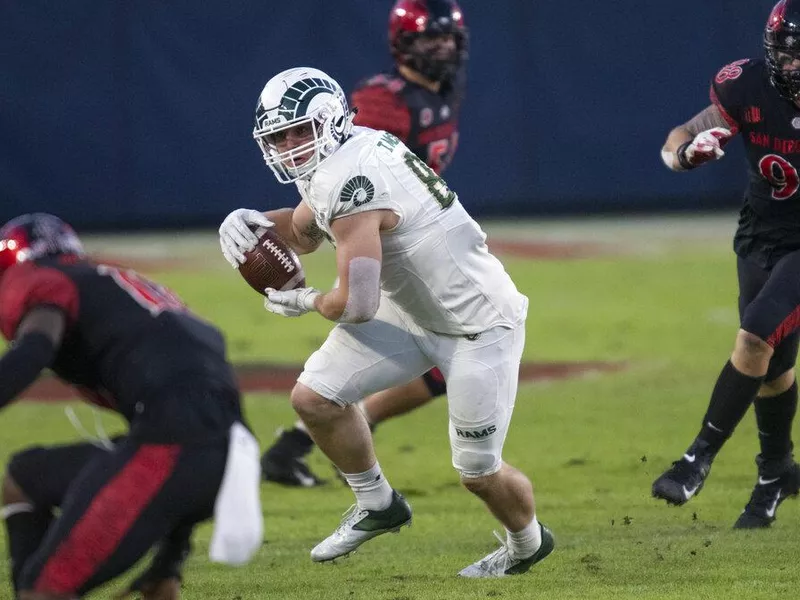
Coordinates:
524 543
372 490
300 425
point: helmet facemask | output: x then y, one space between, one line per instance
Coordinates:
329 123
782 47
407 52
787 82
414 26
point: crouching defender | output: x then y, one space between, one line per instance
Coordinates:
129 345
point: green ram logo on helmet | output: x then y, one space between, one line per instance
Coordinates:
296 99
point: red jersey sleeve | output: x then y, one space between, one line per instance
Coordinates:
729 90
26 286
379 108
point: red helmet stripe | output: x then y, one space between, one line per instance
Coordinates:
775 20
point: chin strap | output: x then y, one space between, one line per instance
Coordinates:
343 129
351 116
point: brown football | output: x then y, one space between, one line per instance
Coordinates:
272 264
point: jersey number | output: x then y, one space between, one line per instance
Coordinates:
148 294
435 184
440 152
782 176
731 71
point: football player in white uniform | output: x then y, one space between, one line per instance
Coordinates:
418 289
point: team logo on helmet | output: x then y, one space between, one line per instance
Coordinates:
296 99
358 189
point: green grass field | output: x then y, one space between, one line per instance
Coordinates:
663 300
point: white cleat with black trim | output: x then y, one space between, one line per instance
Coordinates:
501 563
359 526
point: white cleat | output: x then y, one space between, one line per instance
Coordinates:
500 562
359 526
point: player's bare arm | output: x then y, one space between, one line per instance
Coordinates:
358 257
708 118
38 336
696 141
298 227
358 264
305 231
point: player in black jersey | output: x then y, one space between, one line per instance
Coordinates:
760 101
129 345
419 101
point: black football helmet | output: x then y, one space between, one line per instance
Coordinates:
412 19
33 236
782 44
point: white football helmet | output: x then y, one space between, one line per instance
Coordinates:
294 97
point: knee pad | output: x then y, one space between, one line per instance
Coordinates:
476 462
477 445
476 450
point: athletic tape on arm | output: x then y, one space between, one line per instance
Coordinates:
363 290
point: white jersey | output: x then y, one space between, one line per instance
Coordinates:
436 266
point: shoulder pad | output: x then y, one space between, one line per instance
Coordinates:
744 69
736 85
392 83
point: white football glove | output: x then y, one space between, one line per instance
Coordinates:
706 145
291 303
235 235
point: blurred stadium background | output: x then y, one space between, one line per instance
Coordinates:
139 114
128 116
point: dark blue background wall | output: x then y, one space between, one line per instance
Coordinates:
140 113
